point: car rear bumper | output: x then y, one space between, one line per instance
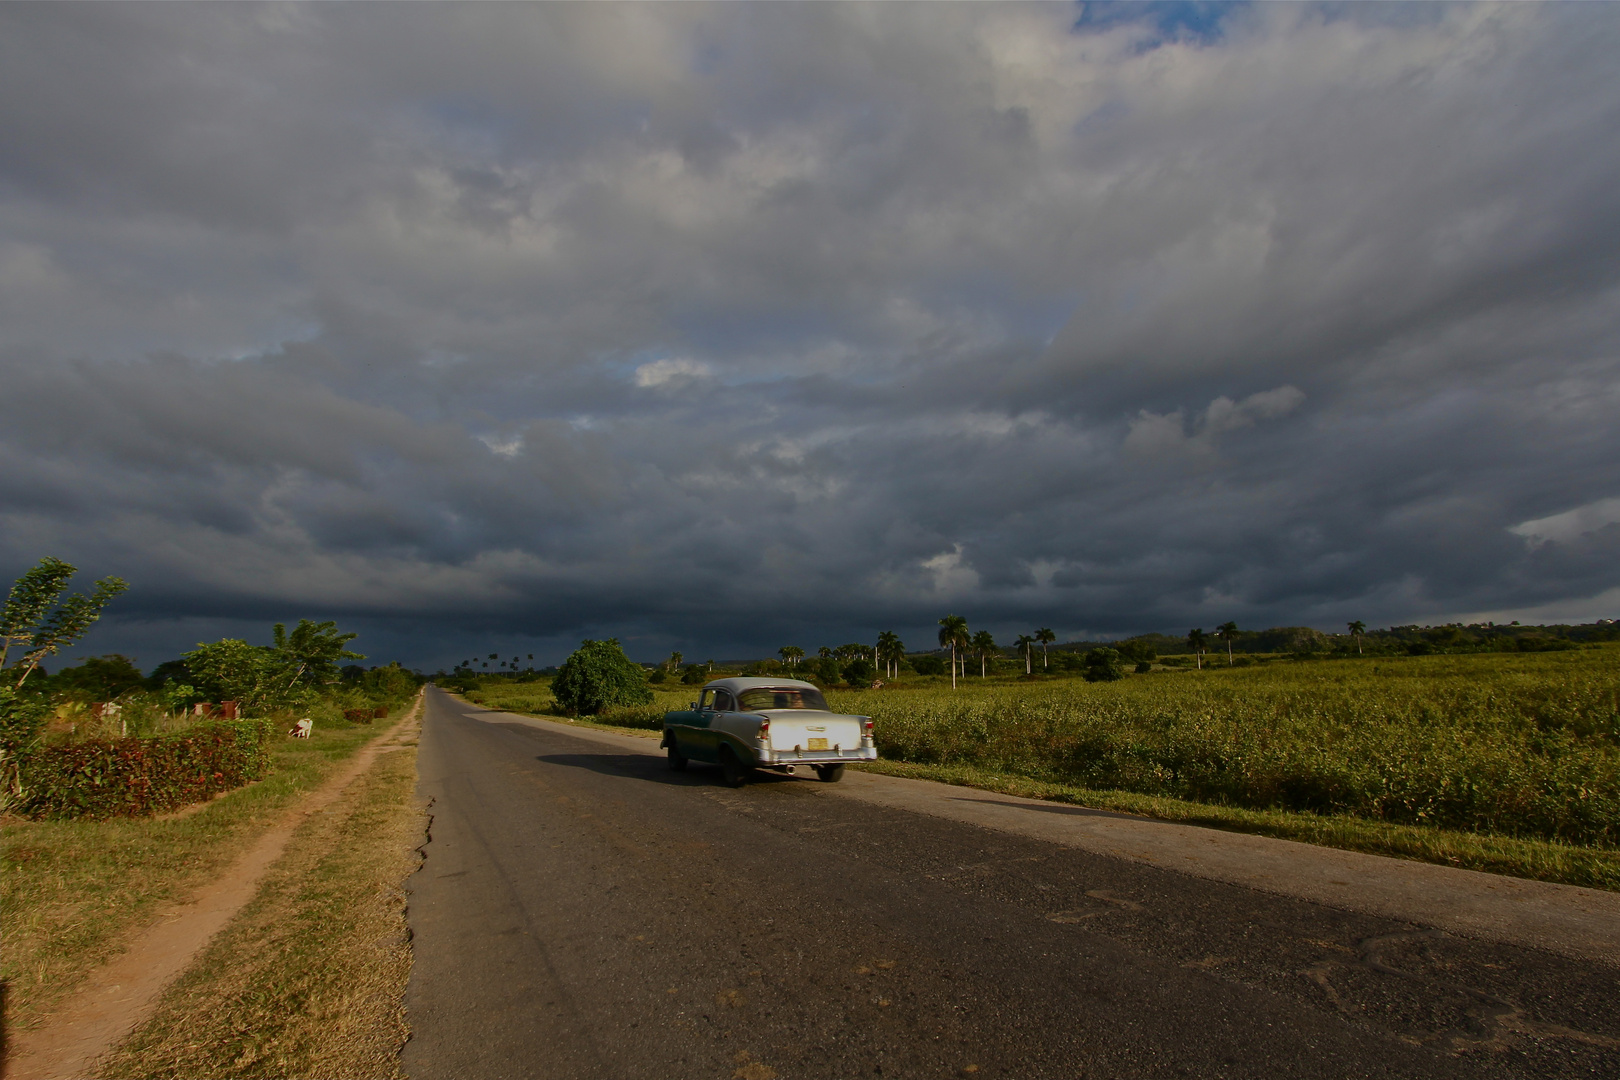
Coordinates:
812 757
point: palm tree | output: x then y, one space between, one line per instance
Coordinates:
891 649
1228 633
953 635
1045 636
1357 630
1026 645
824 652
1197 640
983 644
675 659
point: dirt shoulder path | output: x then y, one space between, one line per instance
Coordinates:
1564 919
119 995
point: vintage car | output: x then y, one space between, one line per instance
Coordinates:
781 724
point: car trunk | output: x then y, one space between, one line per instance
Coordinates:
810 730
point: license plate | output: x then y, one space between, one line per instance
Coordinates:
818 744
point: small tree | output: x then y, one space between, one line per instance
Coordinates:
1026 645
1358 629
1102 665
858 672
1045 636
953 635
1197 641
312 651
598 676
984 643
891 650
38 619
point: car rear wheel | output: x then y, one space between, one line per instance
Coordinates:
831 773
677 760
736 772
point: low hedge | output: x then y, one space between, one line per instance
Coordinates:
136 777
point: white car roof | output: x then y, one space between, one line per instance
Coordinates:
737 686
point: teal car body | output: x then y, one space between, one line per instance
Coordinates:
757 723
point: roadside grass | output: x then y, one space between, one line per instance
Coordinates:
1539 860
73 891
309 978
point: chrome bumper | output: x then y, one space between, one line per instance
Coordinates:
810 757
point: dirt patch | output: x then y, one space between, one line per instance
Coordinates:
114 999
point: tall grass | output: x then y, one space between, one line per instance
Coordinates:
1521 746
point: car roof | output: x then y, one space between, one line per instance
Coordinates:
737 686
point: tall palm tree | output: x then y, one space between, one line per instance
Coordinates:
953 635
983 644
1026 645
1045 636
789 653
675 659
892 650
1228 633
1357 630
824 652
1197 640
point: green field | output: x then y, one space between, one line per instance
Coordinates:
1500 751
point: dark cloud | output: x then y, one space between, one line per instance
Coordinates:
490 327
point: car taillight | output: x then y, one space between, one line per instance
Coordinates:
866 726
764 730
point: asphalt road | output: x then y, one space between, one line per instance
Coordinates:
583 912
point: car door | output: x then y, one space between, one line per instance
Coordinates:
698 740
721 722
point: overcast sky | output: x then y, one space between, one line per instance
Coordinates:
492 327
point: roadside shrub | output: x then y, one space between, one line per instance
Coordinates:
598 676
859 672
1143 667
1102 665
136 777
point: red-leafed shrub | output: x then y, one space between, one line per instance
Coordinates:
107 778
357 716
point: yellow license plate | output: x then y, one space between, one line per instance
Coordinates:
818 744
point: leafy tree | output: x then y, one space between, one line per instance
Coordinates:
233 670
858 672
1228 632
37 617
1026 645
312 650
1045 636
953 635
928 665
1358 630
1197 641
984 643
891 650
694 675
99 678
1102 665
598 676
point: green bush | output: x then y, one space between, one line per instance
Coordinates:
928 665
858 672
1102 665
598 676
135 777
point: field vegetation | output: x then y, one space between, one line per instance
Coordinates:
1499 761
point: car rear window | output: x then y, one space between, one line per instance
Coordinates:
780 697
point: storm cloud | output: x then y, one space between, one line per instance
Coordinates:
487 327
